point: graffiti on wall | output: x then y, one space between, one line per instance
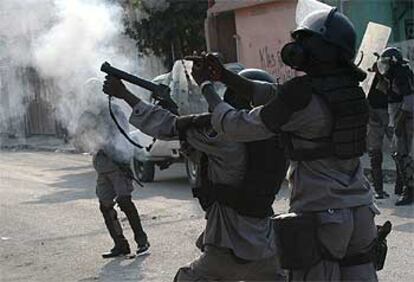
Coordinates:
271 61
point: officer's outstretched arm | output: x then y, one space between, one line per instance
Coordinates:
154 121
264 121
242 126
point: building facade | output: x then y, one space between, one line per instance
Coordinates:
254 31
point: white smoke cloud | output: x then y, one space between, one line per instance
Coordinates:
64 42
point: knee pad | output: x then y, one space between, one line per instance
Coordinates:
125 203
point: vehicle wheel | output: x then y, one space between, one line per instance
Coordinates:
193 172
144 171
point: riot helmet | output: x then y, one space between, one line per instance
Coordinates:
324 37
390 57
257 74
239 102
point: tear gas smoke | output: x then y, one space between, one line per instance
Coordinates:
63 43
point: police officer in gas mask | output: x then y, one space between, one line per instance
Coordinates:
322 117
399 86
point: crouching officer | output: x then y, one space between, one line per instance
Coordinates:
323 119
237 187
111 160
395 71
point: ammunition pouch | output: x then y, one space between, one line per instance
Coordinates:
297 240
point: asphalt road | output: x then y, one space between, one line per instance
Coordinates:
51 228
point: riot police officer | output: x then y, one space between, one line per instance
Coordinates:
322 117
378 129
238 184
399 79
97 134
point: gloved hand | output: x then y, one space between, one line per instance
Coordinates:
215 67
199 70
113 86
202 120
183 123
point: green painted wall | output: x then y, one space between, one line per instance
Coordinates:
393 13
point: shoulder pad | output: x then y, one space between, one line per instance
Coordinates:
296 93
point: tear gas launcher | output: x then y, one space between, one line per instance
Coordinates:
159 92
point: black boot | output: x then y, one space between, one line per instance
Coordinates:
115 231
377 175
406 197
128 207
406 166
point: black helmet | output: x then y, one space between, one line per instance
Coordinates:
257 74
394 54
390 57
240 102
333 27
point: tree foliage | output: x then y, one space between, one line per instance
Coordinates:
172 32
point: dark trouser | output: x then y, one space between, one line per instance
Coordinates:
403 154
219 264
377 130
113 186
344 233
376 170
113 225
128 207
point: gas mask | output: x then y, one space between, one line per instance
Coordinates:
295 55
383 65
309 53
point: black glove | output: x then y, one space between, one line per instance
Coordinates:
199 70
215 67
183 123
113 86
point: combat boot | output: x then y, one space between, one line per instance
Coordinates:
406 166
119 249
406 197
377 175
115 231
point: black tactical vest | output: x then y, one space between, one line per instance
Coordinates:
265 172
401 83
349 109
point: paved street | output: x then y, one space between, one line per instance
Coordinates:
51 228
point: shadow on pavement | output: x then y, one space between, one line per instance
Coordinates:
406 227
121 269
70 187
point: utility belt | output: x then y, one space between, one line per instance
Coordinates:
246 204
300 247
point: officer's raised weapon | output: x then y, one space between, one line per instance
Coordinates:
159 92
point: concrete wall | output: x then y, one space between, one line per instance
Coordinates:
262 31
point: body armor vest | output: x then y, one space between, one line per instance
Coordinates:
349 109
265 172
401 83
